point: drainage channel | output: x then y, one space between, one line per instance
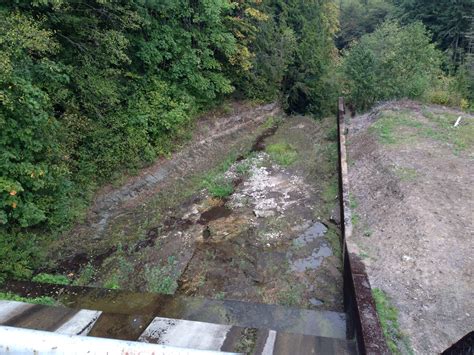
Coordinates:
258 247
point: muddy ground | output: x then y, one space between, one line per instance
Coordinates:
244 211
412 183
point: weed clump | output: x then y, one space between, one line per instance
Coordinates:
283 153
45 300
51 279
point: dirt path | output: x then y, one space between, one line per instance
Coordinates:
242 212
411 176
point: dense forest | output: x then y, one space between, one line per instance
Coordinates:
93 88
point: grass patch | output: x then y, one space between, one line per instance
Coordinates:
406 174
388 315
439 129
461 137
283 153
45 300
215 181
86 277
51 279
112 282
160 279
355 218
272 121
218 186
331 190
292 296
387 126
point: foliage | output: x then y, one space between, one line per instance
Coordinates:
393 62
44 300
51 279
359 17
388 316
90 88
295 56
447 20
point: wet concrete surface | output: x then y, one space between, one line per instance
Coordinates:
128 312
185 334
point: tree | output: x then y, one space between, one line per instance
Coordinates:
393 62
447 20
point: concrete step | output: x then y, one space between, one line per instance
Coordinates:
226 312
164 331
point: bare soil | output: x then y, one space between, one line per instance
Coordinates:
412 184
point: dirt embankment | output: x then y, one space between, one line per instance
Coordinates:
412 183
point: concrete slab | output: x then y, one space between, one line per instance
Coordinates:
80 324
187 334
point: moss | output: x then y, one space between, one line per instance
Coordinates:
388 315
334 239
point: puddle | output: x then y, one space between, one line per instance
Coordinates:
214 213
313 261
311 240
315 232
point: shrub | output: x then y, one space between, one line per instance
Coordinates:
393 62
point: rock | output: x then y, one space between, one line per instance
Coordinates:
335 216
264 213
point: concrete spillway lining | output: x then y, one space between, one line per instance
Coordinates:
12 341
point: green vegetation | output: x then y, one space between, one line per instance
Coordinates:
462 137
331 191
283 153
86 277
388 315
113 282
334 239
353 206
292 295
216 183
45 300
388 127
397 49
92 89
218 186
51 279
390 130
392 62
161 279
247 341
